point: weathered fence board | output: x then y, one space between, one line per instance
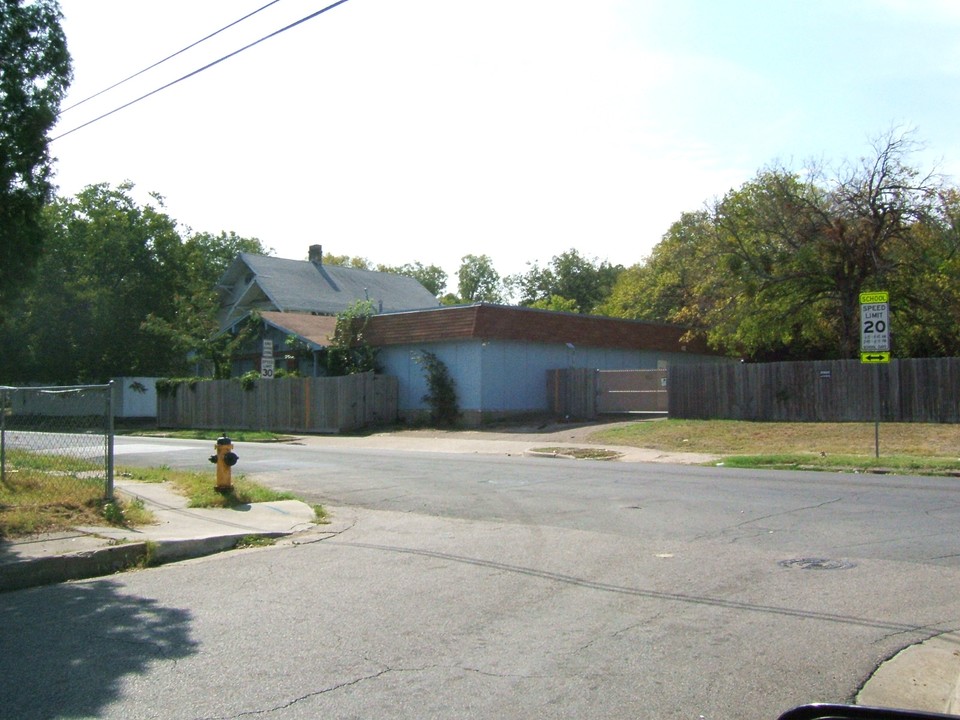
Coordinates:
910 390
572 392
285 404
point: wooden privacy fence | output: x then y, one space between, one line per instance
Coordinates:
910 390
321 405
586 393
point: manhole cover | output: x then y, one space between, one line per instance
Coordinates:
816 564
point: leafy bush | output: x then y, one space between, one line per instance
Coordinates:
442 392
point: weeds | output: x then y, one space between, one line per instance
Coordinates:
37 496
34 501
580 453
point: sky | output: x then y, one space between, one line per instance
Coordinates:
427 130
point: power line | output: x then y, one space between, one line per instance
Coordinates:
200 70
168 57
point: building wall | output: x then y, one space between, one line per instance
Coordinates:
501 377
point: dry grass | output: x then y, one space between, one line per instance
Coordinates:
40 495
912 447
34 501
729 437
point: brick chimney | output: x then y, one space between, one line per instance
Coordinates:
316 254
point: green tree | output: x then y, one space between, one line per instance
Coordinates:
667 282
432 277
34 76
925 292
358 262
587 283
107 265
556 304
192 328
801 250
478 281
118 292
349 352
774 269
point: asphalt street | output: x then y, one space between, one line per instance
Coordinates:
480 586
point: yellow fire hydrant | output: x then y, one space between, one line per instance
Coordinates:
225 459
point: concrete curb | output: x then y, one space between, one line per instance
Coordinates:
924 677
32 572
112 559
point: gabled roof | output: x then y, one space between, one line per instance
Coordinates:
498 322
285 285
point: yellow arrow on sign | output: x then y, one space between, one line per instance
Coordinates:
869 298
874 357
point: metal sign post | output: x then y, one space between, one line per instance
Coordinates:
875 344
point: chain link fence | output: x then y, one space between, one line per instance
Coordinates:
57 438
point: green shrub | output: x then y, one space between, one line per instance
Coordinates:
441 391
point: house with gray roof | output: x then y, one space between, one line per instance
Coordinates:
263 283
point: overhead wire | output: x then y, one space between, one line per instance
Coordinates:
168 57
200 70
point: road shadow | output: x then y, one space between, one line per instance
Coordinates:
66 649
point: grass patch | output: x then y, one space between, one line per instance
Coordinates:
898 464
911 448
581 453
39 495
199 487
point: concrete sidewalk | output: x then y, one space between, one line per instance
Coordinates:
179 533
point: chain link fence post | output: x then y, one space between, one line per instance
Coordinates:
108 490
3 434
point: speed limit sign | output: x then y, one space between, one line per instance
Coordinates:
875 326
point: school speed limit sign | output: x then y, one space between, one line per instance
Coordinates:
874 323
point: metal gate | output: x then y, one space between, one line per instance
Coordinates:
631 391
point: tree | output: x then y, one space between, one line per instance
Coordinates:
556 304
926 290
802 250
349 352
478 281
774 269
34 76
118 292
193 326
571 276
660 288
432 277
358 262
